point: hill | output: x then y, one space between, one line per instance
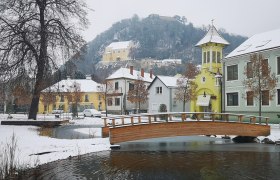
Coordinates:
159 37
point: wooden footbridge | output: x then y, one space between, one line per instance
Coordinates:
145 126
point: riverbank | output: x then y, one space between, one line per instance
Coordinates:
33 149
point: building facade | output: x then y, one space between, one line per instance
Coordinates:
208 94
118 85
117 51
58 96
268 45
162 91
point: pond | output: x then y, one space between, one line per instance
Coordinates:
192 157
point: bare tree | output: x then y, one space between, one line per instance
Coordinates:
103 90
186 86
260 82
34 34
139 94
74 97
48 97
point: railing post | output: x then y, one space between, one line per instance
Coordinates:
170 117
150 119
139 119
198 116
266 120
183 116
122 120
212 117
226 117
240 118
131 120
113 122
105 122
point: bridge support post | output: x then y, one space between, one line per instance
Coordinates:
155 118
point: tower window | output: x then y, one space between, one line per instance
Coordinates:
204 57
208 56
218 57
214 56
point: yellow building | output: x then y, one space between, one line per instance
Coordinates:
57 96
117 51
208 93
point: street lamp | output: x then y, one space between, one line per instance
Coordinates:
219 77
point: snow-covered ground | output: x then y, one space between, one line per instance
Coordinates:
30 143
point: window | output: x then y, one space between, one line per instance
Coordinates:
232 72
213 56
208 56
278 96
54 106
249 70
61 98
86 98
250 98
99 97
218 57
278 65
204 57
232 99
109 102
265 67
131 86
158 90
116 85
45 107
265 98
117 101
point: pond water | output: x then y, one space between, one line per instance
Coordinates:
192 157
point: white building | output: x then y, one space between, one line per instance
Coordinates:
162 91
267 44
118 85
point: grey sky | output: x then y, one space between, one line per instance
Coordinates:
244 17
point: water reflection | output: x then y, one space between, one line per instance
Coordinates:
180 159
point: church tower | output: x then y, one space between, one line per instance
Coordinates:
212 45
209 90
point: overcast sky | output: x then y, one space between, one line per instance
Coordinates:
243 17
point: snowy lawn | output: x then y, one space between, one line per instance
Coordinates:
30 143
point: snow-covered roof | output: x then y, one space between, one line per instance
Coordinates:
86 85
258 42
125 73
119 45
168 80
212 36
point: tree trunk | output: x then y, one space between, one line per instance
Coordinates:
41 63
36 95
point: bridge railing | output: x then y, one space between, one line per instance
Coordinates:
144 118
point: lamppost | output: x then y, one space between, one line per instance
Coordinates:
219 77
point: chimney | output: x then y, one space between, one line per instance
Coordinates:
131 70
142 72
151 73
